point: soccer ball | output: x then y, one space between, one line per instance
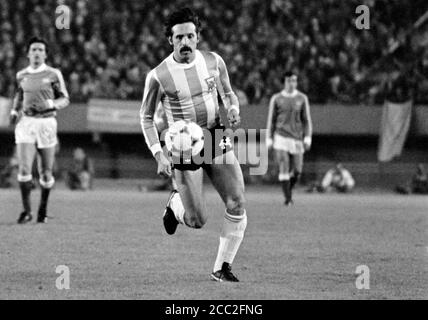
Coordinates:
184 137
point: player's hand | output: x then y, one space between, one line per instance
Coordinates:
164 165
307 142
234 117
49 104
32 110
13 118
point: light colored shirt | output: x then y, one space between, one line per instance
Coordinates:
186 91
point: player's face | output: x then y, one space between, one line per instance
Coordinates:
37 54
290 83
184 40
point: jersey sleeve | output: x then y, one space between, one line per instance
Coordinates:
272 115
224 87
18 96
306 117
151 98
58 86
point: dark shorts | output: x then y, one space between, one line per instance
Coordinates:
219 144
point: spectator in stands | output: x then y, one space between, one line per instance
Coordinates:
418 184
111 44
81 174
9 172
336 179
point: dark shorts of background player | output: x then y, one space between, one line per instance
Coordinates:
216 147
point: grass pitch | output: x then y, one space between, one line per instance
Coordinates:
113 241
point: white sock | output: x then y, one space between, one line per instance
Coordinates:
283 177
47 184
231 237
177 207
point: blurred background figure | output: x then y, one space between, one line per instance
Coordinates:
9 172
81 175
336 179
418 184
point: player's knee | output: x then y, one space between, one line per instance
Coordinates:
236 205
24 170
196 222
46 175
297 174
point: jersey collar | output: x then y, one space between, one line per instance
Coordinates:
41 68
184 65
288 95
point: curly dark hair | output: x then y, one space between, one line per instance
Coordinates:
37 40
289 73
182 16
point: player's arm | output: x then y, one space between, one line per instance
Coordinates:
307 123
271 122
229 97
17 104
151 98
327 179
61 98
348 179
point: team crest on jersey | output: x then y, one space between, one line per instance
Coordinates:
299 104
211 83
46 80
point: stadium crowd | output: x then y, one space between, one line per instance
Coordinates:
111 45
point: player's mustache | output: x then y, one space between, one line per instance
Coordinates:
185 49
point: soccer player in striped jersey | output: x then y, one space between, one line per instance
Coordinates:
289 131
185 83
40 93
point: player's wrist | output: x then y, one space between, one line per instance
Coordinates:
51 104
269 142
234 107
157 156
156 150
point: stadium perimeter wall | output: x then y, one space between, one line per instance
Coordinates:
348 134
116 116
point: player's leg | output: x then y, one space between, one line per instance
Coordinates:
26 153
46 157
186 204
283 160
174 210
229 183
297 167
46 132
85 180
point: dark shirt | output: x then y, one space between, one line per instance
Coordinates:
82 165
400 89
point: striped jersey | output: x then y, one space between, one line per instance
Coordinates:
186 91
289 115
35 86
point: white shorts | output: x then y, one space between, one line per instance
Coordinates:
39 131
289 145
